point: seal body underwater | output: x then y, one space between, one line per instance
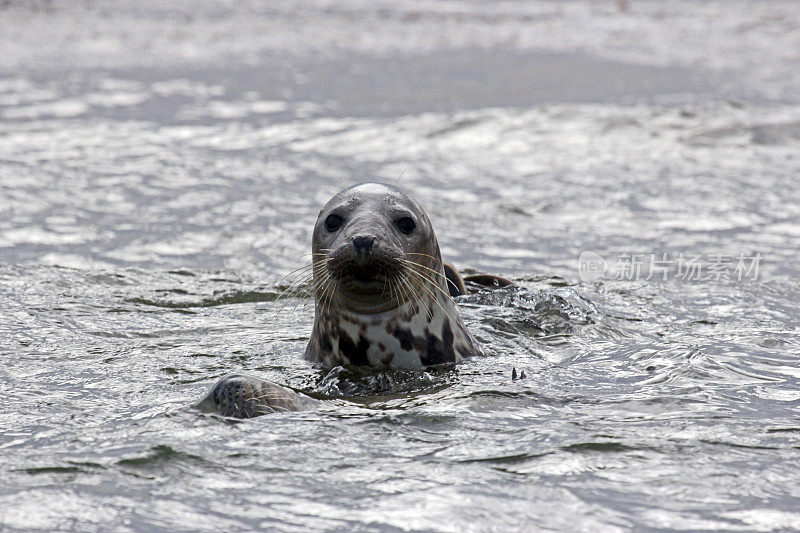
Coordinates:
382 298
382 293
241 396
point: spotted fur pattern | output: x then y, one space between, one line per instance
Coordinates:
241 396
417 334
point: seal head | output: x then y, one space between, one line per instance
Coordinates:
381 290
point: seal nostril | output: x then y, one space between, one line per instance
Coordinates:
363 244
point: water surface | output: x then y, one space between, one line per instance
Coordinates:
153 196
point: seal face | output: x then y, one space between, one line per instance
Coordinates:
380 288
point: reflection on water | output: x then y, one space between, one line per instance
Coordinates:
150 207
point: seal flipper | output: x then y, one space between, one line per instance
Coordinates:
241 396
454 282
489 280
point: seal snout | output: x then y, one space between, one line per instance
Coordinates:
362 245
363 261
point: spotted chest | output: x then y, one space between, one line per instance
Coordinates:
415 335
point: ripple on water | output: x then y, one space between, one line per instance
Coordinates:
151 203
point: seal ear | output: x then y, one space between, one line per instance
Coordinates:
454 283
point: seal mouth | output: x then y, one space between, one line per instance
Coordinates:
365 286
367 274
364 280
363 274
368 289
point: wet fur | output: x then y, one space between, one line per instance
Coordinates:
415 335
423 329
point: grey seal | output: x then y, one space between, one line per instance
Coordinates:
241 396
382 298
380 286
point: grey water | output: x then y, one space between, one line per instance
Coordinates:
161 168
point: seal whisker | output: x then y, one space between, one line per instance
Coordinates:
301 280
298 285
309 265
426 255
430 282
314 287
396 290
322 252
333 291
300 301
293 292
298 282
431 293
434 284
321 286
271 397
428 278
408 289
302 277
328 293
412 289
446 279
393 291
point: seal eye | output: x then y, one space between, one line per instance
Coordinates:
333 222
406 225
